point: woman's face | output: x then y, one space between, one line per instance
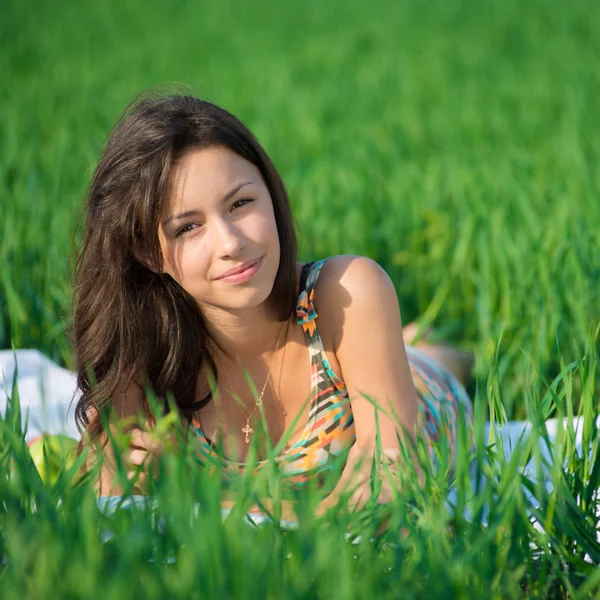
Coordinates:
220 216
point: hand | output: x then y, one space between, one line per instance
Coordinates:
142 455
357 476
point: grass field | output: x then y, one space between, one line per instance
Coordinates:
455 142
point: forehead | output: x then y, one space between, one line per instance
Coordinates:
203 176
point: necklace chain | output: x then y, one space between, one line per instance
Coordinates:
247 429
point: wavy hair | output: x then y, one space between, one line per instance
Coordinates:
130 323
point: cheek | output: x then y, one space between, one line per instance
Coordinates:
195 264
187 262
270 232
260 229
270 225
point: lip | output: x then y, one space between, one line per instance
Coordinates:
242 273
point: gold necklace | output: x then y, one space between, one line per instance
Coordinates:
247 430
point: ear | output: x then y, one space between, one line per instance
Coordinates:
142 255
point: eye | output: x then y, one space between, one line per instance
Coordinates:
192 226
244 200
185 229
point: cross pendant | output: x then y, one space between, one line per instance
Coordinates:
247 430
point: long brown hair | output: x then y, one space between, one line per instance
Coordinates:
129 321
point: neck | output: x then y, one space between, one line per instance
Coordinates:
245 336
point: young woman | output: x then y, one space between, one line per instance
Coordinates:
188 268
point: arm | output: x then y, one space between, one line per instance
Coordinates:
361 301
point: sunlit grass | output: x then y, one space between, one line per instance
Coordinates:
497 529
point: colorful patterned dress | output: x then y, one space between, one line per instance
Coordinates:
330 431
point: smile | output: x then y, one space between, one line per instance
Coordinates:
243 275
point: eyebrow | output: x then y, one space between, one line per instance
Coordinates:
191 213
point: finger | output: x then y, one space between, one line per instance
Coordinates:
326 504
156 445
143 439
139 476
134 457
140 480
359 498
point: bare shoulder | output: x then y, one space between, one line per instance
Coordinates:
350 266
348 280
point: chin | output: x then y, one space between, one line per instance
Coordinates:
248 297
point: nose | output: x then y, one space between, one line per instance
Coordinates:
228 239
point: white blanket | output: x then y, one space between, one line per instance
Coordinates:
45 392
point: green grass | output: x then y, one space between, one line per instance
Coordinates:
455 142
56 543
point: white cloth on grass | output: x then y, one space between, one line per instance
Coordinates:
45 392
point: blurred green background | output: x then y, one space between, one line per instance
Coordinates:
454 142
